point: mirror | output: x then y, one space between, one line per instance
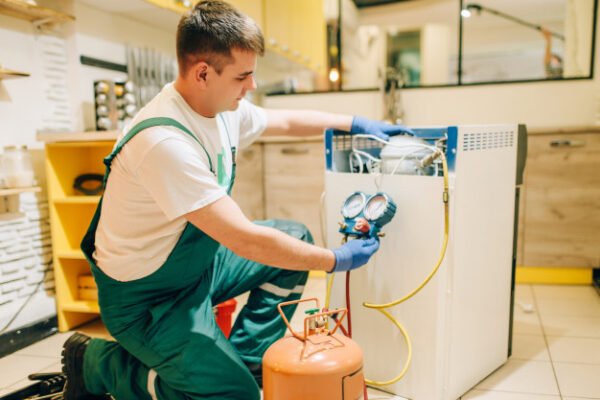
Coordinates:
521 40
452 42
412 43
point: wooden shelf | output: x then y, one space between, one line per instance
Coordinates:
92 136
34 13
14 191
10 74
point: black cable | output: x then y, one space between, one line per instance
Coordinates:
16 314
479 8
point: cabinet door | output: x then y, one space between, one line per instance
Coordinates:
248 190
278 17
562 201
252 8
294 181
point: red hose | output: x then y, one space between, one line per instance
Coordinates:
348 304
349 333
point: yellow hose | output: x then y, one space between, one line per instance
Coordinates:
382 307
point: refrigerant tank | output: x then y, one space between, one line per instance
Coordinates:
316 364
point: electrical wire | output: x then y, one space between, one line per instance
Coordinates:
22 306
382 308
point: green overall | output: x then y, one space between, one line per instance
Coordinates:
168 343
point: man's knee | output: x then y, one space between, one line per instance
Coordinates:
294 229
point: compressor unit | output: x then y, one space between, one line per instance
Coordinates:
460 211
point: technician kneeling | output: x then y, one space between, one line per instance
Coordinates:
167 243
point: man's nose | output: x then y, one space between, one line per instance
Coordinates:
252 83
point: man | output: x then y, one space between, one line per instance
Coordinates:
167 242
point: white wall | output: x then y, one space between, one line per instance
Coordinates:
548 104
104 35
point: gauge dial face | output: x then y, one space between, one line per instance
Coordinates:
376 207
354 205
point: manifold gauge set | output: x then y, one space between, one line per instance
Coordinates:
365 215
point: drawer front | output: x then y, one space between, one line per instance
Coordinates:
562 201
294 181
248 190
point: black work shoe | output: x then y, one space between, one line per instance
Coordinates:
72 366
256 371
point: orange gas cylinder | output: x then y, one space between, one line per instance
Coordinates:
317 364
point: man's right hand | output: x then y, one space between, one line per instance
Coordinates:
354 254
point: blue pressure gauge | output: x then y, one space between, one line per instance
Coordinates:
365 215
380 209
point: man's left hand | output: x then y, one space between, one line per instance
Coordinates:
382 130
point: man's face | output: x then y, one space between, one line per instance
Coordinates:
237 78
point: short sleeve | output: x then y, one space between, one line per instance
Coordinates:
177 176
253 121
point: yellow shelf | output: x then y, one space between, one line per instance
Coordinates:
10 74
77 200
69 155
71 254
33 13
83 306
74 138
13 191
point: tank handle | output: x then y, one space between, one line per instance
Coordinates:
342 311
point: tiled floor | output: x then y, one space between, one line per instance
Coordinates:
556 349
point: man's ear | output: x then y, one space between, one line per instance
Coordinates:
201 73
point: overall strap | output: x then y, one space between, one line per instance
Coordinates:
149 123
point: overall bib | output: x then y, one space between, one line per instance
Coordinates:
168 343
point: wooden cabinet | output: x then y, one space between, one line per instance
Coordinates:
252 8
282 179
249 188
561 213
297 30
294 181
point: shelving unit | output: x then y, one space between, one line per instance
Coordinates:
10 74
67 156
36 14
15 191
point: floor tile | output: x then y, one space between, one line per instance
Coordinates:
49 347
568 307
478 394
561 325
578 380
15 368
574 350
526 323
529 347
523 292
580 398
375 394
566 292
518 376
56 367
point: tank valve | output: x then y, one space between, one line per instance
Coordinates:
362 225
317 323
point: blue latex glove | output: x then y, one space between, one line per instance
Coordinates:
354 254
380 129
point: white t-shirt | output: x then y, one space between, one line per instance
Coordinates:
162 174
